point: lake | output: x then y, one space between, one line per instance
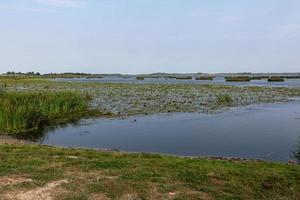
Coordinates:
268 132
217 80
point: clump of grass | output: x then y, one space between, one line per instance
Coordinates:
275 79
259 77
184 77
2 89
140 78
28 111
292 77
237 78
97 77
210 78
224 99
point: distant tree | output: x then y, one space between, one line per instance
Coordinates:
12 72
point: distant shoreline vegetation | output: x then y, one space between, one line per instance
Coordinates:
228 77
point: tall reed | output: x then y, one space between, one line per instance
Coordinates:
25 111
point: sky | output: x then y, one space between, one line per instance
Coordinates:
147 36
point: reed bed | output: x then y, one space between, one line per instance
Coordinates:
237 78
184 77
224 99
140 78
208 78
290 77
28 111
275 79
259 77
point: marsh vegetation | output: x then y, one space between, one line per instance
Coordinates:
275 79
209 78
237 78
124 99
224 99
30 110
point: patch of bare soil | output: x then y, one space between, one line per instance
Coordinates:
5 181
47 192
129 197
4 139
98 197
199 195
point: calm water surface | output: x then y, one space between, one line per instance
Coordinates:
269 132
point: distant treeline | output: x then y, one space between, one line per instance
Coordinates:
55 75
229 77
25 74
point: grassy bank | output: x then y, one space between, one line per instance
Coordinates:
28 111
90 174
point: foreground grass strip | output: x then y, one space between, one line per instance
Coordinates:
25 111
92 174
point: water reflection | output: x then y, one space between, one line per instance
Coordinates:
40 134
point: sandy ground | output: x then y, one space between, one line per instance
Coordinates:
10 140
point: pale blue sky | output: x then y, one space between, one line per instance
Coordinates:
142 36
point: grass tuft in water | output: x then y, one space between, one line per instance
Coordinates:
209 78
27 111
224 99
275 79
238 78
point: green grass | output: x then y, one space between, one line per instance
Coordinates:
275 79
210 78
238 79
184 77
259 77
27 111
140 78
224 99
116 175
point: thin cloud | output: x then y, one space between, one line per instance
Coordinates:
202 14
25 9
216 16
285 31
62 3
230 18
42 6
